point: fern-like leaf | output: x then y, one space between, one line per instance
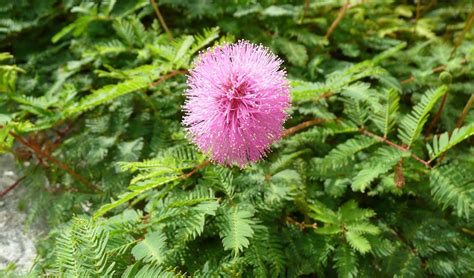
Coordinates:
151 249
381 162
345 152
412 124
346 262
385 113
444 142
235 225
453 187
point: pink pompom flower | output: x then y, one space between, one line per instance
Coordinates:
235 102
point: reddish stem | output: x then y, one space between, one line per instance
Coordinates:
338 19
161 19
44 155
437 115
388 142
11 187
197 168
299 127
168 76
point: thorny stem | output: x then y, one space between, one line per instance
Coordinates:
388 142
161 19
340 16
11 187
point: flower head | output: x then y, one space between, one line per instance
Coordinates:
236 100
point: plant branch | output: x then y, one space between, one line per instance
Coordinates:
301 126
197 168
437 115
467 27
340 16
433 70
301 225
461 119
168 76
44 155
286 133
392 144
11 187
459 122
161 19
305 9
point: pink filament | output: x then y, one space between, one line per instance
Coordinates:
236 102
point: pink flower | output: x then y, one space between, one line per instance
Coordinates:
236 102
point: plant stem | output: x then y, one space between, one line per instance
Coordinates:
301 225
390 143
161 19
301 126
338 19
467 27
197 168
44 155
437 115
11 187
461 119
305 9
459 122
168 76
286 133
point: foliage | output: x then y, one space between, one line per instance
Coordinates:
90 105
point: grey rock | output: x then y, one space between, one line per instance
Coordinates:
16 243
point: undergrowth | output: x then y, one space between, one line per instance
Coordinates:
373 178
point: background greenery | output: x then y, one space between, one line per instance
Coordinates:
374 178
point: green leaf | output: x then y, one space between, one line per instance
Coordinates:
329 230
346 262
363 228
109 93
345 152
295 52
452 187
412 124
151 249
385 114
235 228
358 242
122 199
444 142
77 27
202 40
383 160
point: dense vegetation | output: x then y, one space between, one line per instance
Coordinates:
374 177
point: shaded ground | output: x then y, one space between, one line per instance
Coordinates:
16 244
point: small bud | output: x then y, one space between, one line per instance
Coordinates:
445 77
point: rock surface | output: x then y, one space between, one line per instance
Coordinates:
16 244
